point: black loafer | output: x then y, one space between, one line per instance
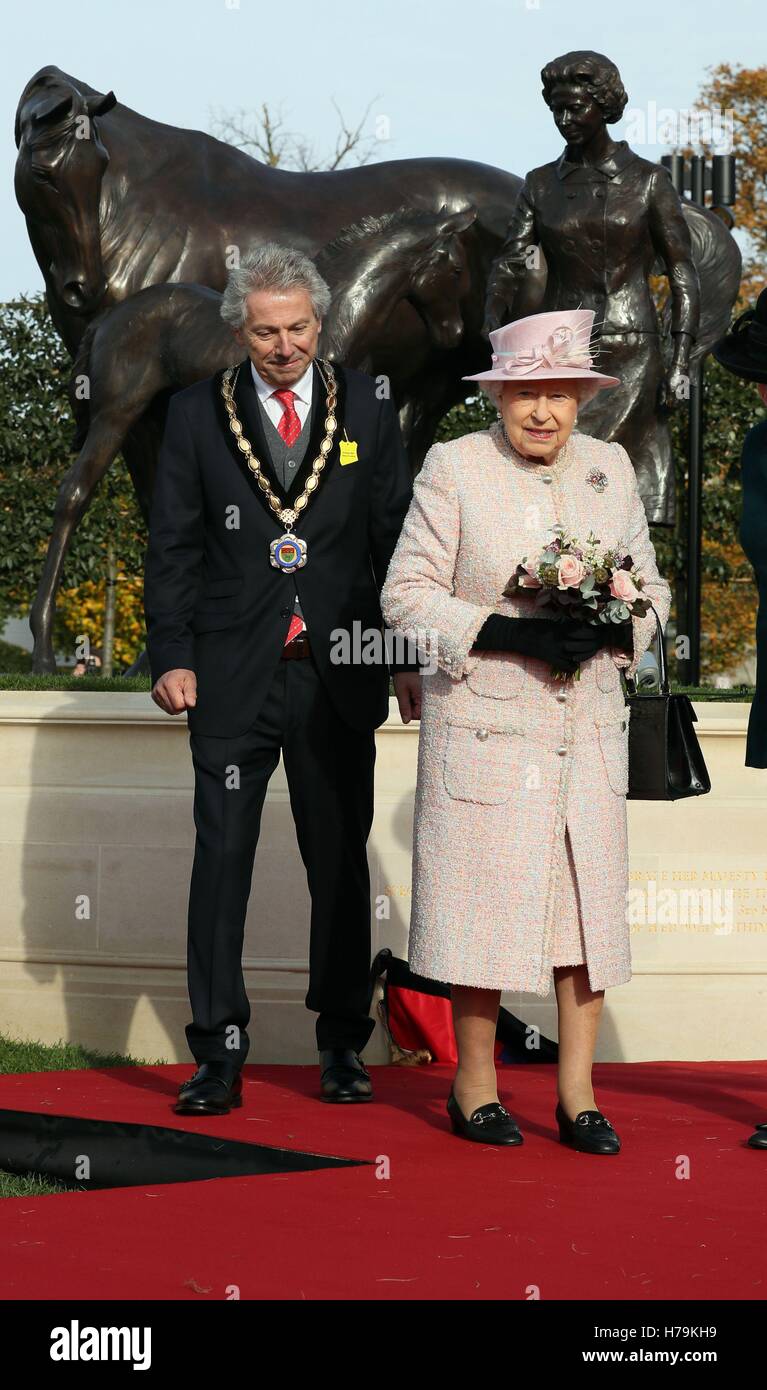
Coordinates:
488 1124
590 1132
215 1089
759 1139
343 1076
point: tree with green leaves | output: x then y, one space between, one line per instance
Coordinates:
36 433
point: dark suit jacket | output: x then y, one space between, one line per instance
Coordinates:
213 602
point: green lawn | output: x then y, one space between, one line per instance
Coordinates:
25 680
19 1056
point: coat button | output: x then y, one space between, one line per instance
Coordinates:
562 750
561 695
482 733
284 612
546 478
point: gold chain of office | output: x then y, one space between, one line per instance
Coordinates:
287 515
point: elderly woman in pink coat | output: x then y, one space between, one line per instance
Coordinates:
520 856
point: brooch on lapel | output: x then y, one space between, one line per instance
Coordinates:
598 479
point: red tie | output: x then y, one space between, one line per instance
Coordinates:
289 426
289 429
297 625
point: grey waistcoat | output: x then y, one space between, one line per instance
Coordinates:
281 455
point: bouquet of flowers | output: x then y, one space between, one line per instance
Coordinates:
581 582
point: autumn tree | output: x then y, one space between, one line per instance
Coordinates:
739 95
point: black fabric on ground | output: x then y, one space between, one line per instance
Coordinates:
128 1155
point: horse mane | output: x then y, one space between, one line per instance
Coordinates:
50 76
373 225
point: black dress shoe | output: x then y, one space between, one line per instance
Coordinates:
589 1132
215 1089
489 1124
343 1077
759 1139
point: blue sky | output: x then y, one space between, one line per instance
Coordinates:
451 78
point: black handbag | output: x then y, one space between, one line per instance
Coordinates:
665 758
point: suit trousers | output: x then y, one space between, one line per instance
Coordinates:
329 769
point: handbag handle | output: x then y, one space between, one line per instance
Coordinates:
661 638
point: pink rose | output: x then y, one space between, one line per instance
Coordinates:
622 586
571 572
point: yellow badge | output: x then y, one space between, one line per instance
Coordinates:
348 449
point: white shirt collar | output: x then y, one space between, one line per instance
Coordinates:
302 388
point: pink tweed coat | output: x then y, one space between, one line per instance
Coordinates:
520 855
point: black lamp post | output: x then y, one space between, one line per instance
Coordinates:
698 177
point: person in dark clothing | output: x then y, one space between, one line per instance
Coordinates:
743 351
281 491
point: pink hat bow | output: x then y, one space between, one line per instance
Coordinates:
554 344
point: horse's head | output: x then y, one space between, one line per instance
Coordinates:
412 255
440 277
59 169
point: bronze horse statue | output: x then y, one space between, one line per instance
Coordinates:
165 337
115 202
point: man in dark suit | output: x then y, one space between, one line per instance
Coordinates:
281 491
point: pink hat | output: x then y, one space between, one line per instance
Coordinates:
542 347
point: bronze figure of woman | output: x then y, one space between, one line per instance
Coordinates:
603 217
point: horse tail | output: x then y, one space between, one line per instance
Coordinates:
718 262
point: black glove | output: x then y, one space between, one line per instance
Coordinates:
624 636
620 635
563 645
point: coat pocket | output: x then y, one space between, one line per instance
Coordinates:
482 760
216 589
213 620
499 676
614 742
211 611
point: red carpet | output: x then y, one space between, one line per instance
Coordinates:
452 1220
